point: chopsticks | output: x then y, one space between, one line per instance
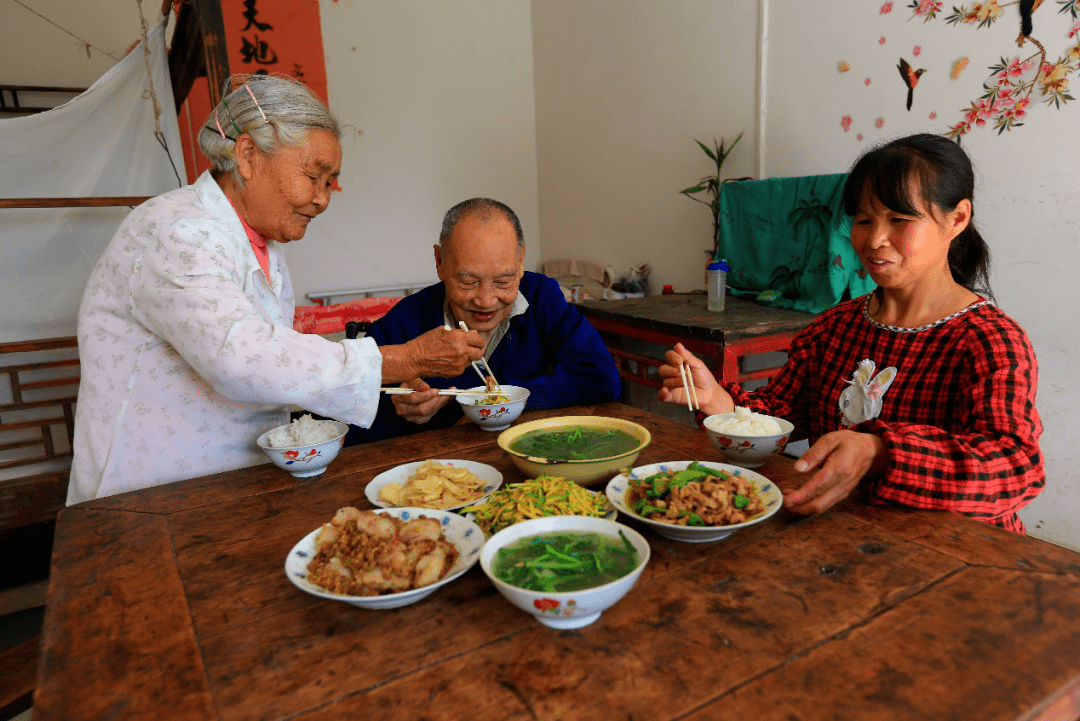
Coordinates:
442 392
461 324
687 376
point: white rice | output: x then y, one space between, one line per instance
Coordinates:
304 431
745 423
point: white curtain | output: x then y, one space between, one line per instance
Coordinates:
101 143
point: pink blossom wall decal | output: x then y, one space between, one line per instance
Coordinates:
1014 82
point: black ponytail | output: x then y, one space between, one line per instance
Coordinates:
944 177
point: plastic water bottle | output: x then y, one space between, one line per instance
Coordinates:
716 273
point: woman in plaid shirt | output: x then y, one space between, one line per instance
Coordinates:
923 391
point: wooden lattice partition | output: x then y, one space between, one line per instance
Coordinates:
46 384
39 383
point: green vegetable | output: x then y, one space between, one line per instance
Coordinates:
740 501
552 563
681 478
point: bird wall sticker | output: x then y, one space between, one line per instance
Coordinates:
1016 84
911 78
1026 8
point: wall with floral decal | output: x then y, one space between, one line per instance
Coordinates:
835 84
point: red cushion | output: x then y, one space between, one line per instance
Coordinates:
332 318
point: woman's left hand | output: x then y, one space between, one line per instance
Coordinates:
843 458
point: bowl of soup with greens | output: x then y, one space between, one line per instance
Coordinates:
583 449
565 570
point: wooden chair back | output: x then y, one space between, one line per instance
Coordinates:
39 382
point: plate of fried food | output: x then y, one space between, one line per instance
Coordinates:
695 501
536 498
444 484
384 558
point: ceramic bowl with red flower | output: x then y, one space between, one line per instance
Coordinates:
745 450
494 412
566 609
305 461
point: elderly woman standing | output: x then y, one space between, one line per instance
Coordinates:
185 330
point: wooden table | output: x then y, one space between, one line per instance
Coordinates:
743 328
172 603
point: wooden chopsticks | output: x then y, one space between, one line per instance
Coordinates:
476 367
687 376
442 392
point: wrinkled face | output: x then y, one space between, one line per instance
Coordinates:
289 188
481 265
905 251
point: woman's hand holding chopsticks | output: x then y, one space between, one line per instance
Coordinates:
695 379
444 352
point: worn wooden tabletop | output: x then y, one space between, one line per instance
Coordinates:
687 316
172 603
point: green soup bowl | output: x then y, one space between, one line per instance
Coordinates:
585 472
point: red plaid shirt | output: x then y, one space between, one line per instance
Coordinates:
959 422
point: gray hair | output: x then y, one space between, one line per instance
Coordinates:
291 111
485 209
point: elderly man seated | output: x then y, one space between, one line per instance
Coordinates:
533 337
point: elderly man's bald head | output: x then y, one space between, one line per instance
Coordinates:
483 209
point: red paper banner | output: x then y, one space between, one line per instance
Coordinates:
272 36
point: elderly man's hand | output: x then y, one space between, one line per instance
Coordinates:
439 352
419 407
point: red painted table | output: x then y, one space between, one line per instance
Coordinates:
172 603
721 338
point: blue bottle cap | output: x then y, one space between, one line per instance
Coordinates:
719 265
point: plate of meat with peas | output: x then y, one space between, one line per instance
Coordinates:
696 501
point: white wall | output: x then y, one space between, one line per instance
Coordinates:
623 87
438 96
440 99
1028 192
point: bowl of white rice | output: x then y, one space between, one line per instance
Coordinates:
745 438
305 446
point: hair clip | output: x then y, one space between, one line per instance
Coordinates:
231 118
219 130
255 100
218 123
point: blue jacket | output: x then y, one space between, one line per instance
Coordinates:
551 349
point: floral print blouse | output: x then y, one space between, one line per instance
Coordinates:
188 353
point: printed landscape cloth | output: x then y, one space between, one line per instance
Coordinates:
792 236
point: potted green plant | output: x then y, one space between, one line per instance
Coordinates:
711 186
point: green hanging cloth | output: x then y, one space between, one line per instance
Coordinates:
788 242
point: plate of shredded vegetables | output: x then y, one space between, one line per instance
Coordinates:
537 498
696 501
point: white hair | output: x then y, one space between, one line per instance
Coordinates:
275 110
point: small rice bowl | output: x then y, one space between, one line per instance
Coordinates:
745 423
304 431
